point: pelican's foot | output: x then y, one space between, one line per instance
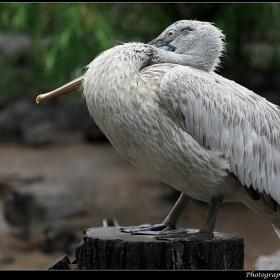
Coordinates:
147 229
201 235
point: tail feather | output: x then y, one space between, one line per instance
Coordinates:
277 229
264 209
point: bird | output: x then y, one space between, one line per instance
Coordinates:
164 108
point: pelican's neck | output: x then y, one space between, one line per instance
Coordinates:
190 59
206 59
129 58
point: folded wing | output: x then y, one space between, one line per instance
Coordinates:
224 116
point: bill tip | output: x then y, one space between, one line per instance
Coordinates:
38 98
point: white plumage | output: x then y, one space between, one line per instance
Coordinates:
164 109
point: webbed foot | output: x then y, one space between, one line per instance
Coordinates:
200 235
148 229
168 225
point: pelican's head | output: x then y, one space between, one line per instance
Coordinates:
197 39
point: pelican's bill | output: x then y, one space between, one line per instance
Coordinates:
72 86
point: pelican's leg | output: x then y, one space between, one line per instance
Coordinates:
206 232
169 223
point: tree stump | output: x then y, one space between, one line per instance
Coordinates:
109 248
60 263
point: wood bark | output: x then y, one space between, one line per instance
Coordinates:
60 263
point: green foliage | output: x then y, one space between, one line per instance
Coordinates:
65 37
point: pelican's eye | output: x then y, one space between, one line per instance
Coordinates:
170 35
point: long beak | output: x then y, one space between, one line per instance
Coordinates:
73 86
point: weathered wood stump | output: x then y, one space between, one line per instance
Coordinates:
108 248
60 263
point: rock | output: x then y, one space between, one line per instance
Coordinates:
39 134
61 239
271 262
31 208
9 180
36 126
22 122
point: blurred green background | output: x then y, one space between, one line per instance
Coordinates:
44 45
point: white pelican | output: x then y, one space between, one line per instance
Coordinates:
163 108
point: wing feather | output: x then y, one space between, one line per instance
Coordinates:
226 117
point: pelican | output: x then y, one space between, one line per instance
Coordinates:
165 109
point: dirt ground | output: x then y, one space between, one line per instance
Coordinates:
108 186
